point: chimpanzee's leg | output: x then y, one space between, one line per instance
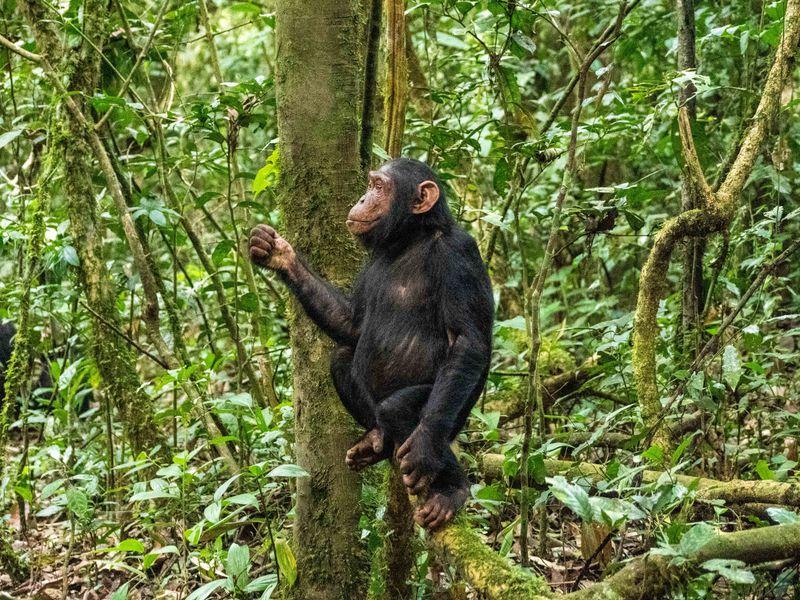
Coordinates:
357 403
398 415
370 449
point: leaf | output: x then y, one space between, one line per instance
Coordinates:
517 322
731 366
121 593
763 470
205 591
243 499
286 561
249 302
288 470
265 583
9 136
157 217
221 251
237 565
78 503
502 173
694 539
573 496
654 455
130 545
783 516
70 256
730 569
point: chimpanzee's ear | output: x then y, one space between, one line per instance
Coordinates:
427 196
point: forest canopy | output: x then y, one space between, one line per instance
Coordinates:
628 170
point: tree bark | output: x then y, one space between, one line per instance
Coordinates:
693 288
319 95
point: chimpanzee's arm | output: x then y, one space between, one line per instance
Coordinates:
326 305
467 307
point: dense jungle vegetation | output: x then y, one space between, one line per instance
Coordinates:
629 170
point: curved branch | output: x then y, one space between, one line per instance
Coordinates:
714 218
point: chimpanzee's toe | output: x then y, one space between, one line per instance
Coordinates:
366 451
440 508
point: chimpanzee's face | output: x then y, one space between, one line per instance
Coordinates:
374 205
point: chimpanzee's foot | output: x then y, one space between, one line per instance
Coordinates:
441 505
370 449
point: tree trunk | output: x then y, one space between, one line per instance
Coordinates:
320 48
114 361
694 249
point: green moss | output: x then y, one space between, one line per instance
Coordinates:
486 571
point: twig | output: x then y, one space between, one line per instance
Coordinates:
124 336
4 41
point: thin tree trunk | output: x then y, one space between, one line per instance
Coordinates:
319 96
693 289
396 77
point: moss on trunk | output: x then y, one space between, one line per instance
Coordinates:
319 92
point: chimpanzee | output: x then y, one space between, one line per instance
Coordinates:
413 341
7 333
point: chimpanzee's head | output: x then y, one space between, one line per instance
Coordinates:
403 198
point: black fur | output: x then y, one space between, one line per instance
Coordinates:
414 340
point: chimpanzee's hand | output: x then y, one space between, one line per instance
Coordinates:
420 458
269 250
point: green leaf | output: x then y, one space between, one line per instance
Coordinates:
730 569
783 516
286 561
694 539
221 251
502 173
9 136
517 322
237 565
70 256
78 503
288 470
157 217
130 545
205 591
731 366
249 302
763 470
573 496
654 455
121 593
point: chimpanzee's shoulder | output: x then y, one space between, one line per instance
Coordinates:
458 244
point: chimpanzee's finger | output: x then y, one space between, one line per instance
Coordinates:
440 520
404 449
406 466
377 444
421 485
264 232
424 511
411 479
258 252
433 515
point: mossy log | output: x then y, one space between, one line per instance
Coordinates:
486 571
735 491
648 576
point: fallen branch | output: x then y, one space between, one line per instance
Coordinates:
647 576
735 491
